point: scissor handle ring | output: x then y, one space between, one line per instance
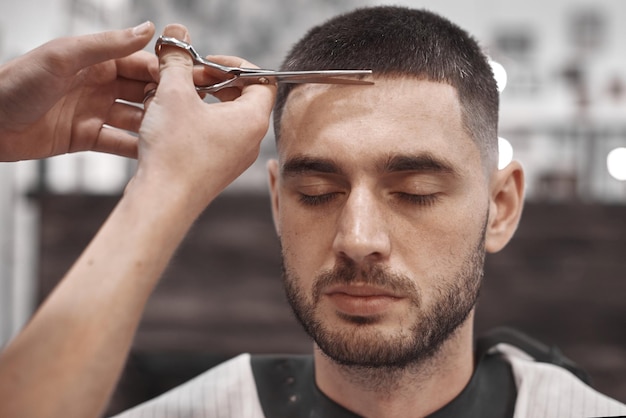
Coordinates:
171 41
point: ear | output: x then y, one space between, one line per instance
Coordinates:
505 207
272 170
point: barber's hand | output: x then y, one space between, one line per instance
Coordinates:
55 99
192 148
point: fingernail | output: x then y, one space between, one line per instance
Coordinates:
142 29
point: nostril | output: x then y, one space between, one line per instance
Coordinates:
359 248
362 231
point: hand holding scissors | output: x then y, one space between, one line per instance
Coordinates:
238 76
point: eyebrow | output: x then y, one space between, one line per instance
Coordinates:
305 165
419 163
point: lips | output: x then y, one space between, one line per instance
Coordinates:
361 300
360 290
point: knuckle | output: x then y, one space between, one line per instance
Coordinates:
175 58
56 58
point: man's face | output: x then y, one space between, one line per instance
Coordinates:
380 201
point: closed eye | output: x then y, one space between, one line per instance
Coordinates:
418 199
317 200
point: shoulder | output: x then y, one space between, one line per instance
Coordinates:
548 384
227 390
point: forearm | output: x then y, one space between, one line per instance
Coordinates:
67 360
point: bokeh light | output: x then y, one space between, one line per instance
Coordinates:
505 153
499 73
616 163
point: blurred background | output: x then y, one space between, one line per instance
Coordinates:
562 69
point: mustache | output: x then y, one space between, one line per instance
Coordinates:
347 272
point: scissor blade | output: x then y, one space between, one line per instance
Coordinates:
319 76
323 80
294 75
266 77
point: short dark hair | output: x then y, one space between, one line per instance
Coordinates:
400 42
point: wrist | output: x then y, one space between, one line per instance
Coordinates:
179 200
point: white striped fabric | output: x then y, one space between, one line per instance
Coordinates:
548 391
227 390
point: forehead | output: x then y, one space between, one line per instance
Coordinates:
393 116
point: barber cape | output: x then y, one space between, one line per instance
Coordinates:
515 377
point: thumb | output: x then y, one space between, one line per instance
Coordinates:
94 48
175 64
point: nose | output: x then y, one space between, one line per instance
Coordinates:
361 233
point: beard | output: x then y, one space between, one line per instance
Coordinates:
364 346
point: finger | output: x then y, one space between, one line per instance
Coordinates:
231 61
149 92
257 94
117 142
130 90
175 64
261 96
212 73
228 94
67 56
231 93
141 65
125 116
202 78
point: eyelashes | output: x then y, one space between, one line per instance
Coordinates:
419 199
317 200
407 198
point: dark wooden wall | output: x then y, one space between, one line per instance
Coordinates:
562 280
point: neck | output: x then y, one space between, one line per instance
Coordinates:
414 391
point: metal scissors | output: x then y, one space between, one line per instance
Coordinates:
246 76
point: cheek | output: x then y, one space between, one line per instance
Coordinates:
304 239
435 244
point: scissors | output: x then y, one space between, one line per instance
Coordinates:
246 76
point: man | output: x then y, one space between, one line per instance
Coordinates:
386 199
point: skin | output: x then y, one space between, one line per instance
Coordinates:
56 97
67 360
414 219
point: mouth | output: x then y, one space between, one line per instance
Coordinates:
361 290
361 300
